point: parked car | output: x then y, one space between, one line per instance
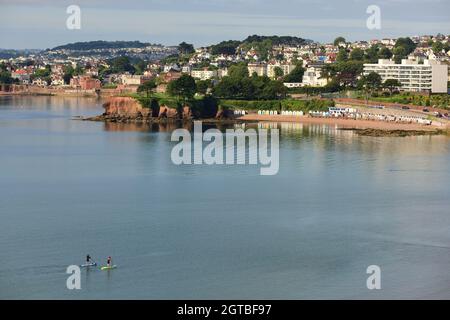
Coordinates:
426 110
405 108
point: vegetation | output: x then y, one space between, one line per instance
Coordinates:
203 86
186 48
100 44
147 87
434 100
70 72
5 75
239 85
392 84
263 44
225 47
344 73
296 75
339 40
183 87
403 47
279 105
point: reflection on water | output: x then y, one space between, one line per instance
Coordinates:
340 203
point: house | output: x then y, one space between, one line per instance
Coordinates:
260 68
57 80
40 82
312 78
170 76
204 74
85 83
132 80
285 67
22 75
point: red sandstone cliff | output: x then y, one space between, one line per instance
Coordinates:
125 106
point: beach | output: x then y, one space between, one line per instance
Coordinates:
345 123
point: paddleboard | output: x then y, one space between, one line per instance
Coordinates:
92 264
108 268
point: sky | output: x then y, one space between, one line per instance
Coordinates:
40 24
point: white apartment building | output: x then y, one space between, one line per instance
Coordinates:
204 74
287 68
292 84
312 78
430 76
259 68
132 80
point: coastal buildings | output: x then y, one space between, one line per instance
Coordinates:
313 78
22 75
285 67
430 76
204 74
258 67
85 83
132 80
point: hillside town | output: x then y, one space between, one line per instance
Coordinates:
415 64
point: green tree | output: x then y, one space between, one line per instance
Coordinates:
402 48
278 72
5 77
384 53
391 85
238 71
339 40
296 75
68 74
372 54
121 64
357 54
348 72
203 86
43 73
225 47
147 87
342 56
186 48
183 87
140 66
437 47
370 83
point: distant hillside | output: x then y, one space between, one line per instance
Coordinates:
277 40
100 44
260 43
12 53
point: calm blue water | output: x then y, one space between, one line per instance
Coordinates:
339 203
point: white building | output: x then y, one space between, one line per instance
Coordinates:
203 74
285 67
312 78
259 68
429 76
292 84
40 82
132 80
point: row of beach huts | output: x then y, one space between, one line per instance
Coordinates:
351 113
347 113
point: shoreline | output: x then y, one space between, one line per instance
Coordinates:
347 124
362 127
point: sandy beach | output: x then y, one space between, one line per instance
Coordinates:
345 123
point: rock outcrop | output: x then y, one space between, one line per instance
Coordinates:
128 109
166 112
125 107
